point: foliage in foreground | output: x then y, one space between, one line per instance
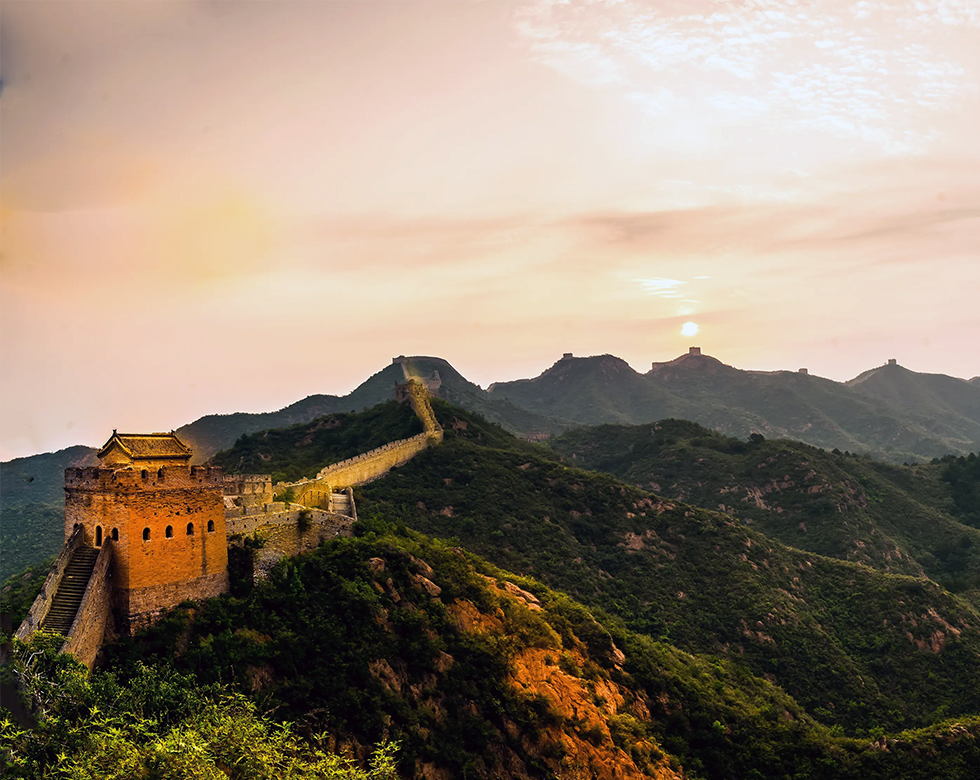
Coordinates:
159 725
18 592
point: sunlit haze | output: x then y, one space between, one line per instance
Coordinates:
220 206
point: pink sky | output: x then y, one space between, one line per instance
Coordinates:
227 206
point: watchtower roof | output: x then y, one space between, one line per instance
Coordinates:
147 447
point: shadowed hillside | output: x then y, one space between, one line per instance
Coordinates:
853 644
32 497
898 519
210 434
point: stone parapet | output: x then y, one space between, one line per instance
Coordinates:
132 479
382 456
237 522
282 536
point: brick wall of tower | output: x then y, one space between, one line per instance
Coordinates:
155 573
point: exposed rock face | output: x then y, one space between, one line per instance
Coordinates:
585 708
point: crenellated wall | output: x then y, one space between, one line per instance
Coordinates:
371 465
164 532
247 489
375 463
94 615
358 470
419 399
168 530
283 535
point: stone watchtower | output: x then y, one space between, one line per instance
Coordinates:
165 518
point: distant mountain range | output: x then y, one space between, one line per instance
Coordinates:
889 412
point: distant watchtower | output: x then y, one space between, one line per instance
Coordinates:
165 517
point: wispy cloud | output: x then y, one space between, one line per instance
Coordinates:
870 71
662 287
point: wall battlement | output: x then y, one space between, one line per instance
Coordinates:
126 479
376 453
163 530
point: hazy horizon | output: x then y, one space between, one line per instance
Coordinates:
342 392
212 206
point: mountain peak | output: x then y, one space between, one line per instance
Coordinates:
692 359
891 368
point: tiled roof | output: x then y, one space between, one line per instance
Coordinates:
149 445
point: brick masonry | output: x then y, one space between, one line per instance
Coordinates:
168 532
94 616
163 527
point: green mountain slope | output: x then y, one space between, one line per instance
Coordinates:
478 673
944 400
213 433
300 451
799 406
855 645
602 389
32 498
898 519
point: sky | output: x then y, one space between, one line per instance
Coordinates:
209 206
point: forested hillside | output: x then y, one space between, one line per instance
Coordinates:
899 519
639 634
855 645
473 672
32 499
300 451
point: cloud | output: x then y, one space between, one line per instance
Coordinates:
875 72
661 287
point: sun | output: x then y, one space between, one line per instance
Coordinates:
689 329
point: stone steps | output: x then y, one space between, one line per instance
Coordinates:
64 605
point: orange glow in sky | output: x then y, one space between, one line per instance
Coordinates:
213 206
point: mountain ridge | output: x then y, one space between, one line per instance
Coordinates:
910 417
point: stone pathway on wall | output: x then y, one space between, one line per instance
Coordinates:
372 465
68 597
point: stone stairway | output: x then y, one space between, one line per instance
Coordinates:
65 603
340 503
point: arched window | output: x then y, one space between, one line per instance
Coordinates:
160 474
146 534
98 536
169 532
190 529
115 534
145 474
210 526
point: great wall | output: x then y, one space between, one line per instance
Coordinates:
145 531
